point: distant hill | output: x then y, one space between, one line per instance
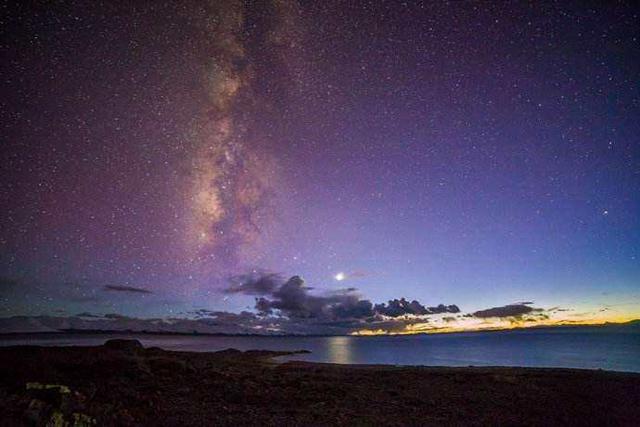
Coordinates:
632 324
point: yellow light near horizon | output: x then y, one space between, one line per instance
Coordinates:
464 326
340 276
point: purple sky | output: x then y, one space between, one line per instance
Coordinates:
460 153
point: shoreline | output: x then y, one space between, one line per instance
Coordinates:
123 383
629 324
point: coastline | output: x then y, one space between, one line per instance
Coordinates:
123 383
629 324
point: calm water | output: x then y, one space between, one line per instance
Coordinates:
584 348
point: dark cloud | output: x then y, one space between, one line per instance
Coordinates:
511 310
558 309
281 307
352 308
441 308
292 306
292 312
255 283
118 288
292 299
401 307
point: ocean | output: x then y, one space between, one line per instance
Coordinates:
586 348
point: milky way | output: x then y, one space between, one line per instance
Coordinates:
231 181
474 155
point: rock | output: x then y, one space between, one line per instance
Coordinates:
167 364
230 352
37 412
130 346
54 394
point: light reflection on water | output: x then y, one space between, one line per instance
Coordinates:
586 348
339 350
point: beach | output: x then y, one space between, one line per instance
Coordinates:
123 383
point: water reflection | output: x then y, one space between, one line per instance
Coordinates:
588 348
339 350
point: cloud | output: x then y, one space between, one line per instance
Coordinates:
281 307
118 288
401 307
292 299
511 310
255 283
441 308
558 309
291 309
291 306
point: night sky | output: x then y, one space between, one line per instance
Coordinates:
171 160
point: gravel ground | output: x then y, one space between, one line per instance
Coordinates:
122 383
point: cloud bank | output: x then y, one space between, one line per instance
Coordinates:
281 307
293 299
511 310
288 306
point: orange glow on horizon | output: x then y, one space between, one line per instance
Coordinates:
502 325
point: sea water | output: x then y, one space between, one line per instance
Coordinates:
589 348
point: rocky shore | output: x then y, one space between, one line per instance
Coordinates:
122 383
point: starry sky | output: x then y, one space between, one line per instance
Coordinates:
161 158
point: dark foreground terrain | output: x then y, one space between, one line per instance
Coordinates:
122 383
